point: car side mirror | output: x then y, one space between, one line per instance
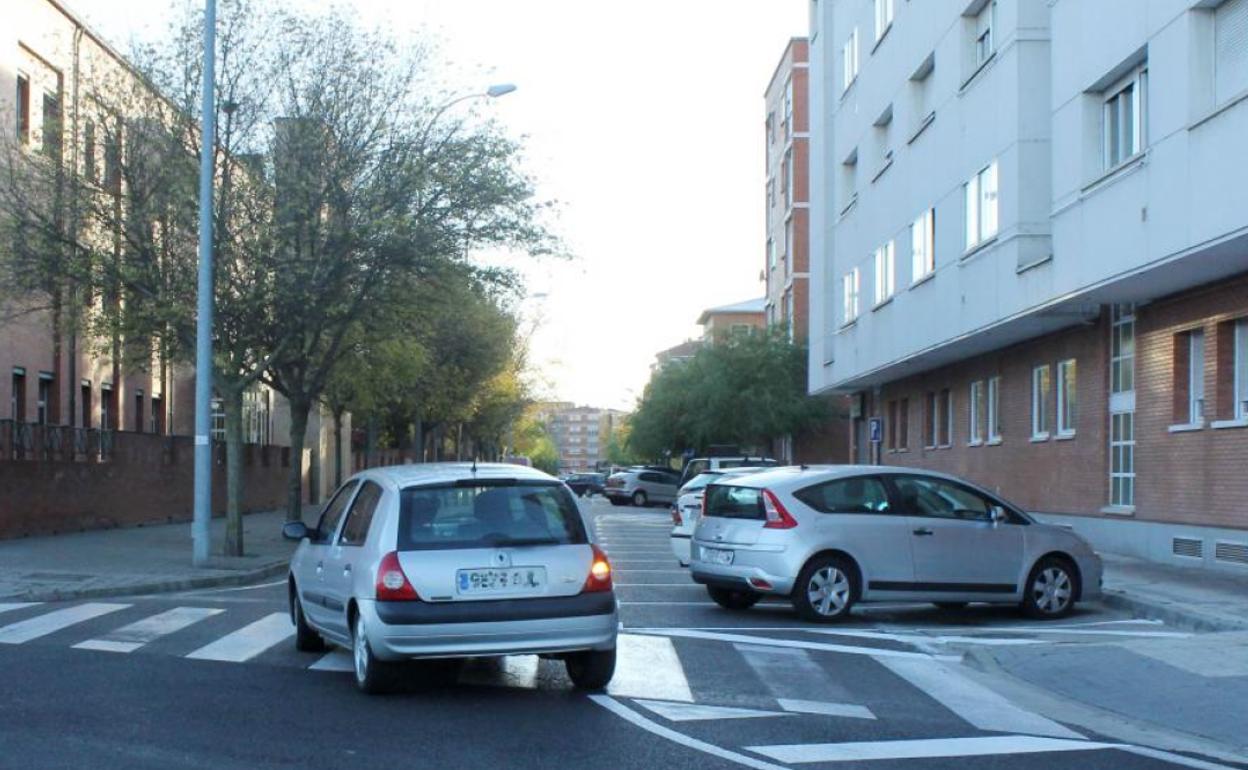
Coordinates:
296 530
998 515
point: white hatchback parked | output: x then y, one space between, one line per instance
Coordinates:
454 560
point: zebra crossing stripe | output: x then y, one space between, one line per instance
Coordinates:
51 622
927 748
973 702
874 652
248 641
130 638
6 606
336 660
648 667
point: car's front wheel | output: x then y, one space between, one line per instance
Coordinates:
639 499
592 669
1051 589
731 599
306 639
826 589
371 675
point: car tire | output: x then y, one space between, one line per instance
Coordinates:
1051 588
592 669
951 605
372 676
616 501
826 589
732 599
639 499
306 638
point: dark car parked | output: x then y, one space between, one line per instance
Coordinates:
583 484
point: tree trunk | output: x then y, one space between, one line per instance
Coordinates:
459 442
420 440
294 488
232 403
337 448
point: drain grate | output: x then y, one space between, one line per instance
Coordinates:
1188 547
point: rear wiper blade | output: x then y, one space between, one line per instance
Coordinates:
503 542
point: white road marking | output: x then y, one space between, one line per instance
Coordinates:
248 641
337 659
673 604
694 712
51 622
648 667
1178 759
922 638
651 726
791 673
6 606
1100 632
973 702
928 748
873 652
231 590
827 709
130 638
658 585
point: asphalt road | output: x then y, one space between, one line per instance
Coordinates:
211 679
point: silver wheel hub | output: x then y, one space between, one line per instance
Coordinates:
360 651
1052 590
828 591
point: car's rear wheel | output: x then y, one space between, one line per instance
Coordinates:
371 675
306 639
640 499
1051 589
732 599
592 669
616 501
826 589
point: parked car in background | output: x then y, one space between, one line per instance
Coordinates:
703 464
688 507
829 537
448 560
642 486
583 484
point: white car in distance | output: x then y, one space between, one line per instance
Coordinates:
688 507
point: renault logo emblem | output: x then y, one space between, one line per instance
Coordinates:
502 559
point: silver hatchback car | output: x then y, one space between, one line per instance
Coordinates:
828 537
453 560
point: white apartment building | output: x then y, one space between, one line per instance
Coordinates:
1030 254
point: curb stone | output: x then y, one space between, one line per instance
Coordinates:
165 585
1171 612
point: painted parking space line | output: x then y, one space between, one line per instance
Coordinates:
132 637
874 652
927 748
973 702
648 667
248 641
51 622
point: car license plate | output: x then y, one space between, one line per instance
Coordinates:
512 580
717 556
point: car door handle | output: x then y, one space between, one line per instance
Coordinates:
923 532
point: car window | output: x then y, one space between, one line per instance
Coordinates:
488 516
360 517
332 514
854 495
695 467
700 481
734 502
937 497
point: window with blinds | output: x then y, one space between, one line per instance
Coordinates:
1230 23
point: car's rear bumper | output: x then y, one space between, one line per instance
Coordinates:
680 548
748 568
398 630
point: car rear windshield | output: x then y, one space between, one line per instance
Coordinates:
729 502
700 481
488 514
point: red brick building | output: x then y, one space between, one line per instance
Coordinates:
786 260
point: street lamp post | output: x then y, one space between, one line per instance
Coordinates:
493 92
200 532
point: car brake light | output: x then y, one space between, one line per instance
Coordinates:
599 578
392 583
777 516
675 515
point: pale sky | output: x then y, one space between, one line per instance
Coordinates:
644 119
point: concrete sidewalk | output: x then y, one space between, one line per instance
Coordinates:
138 560
1192 598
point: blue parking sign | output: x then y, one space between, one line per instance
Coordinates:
877 430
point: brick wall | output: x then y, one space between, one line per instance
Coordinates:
1068 475
146 479
1198 476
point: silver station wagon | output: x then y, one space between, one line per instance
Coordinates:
828 537
453 560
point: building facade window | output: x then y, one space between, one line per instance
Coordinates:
994 409
84 396
23 109
883 17
52 140
923 246
931 426
975 424
44 398
1122 406
1067 401
89 168
1122 350
1122 460
1041 386
1241 369
1125 114
218 420
885 273
1196 376
849 61
788 109
1230 43
850 284
983 43
903 425
946 422
981 206
771 254
138 411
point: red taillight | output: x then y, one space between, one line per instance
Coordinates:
777 516
392 583
599 578
676 515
